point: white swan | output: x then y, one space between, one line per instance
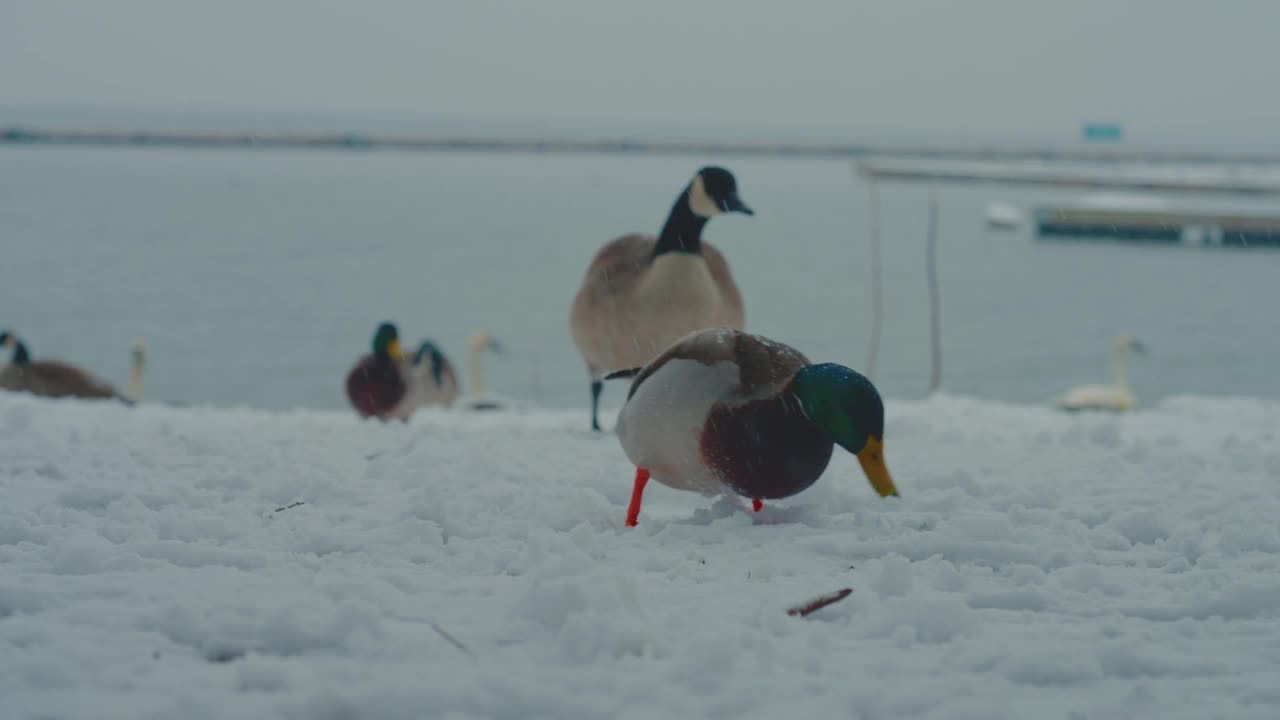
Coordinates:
477 392
1118 396
134 392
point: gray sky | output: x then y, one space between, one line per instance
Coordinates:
1164 67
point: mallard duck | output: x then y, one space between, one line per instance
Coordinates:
54 378
478 397
642 293
383 384
723 410
1116 397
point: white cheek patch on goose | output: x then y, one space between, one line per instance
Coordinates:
700 202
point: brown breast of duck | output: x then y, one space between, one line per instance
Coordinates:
764 448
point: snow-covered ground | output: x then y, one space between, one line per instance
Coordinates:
1038 565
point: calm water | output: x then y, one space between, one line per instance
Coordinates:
257 277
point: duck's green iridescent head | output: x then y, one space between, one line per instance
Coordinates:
847 407
386 342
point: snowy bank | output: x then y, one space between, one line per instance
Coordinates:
1038 565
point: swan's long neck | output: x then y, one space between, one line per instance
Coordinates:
135 376
477 372
1119 371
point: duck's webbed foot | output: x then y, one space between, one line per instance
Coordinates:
637 492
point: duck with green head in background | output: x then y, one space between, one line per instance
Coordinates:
388 384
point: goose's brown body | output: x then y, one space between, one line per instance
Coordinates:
631 304
52 378
57 379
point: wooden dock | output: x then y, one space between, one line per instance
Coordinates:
1147 177
1142 218
1161 225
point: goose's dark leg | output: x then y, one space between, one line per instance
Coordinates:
596 387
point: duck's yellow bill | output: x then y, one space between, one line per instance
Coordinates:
872 460
393 349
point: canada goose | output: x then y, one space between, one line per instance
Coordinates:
724 411
53 378
477 392
1117 396
642 293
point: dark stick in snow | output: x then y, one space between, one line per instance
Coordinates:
290 506
452 640
820 602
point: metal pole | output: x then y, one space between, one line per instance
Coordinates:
877 290
935 304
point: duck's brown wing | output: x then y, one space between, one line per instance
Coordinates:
764 365
53 378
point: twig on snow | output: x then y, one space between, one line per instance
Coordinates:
290 506
820 602
452 640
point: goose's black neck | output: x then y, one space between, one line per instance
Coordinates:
683 231
20 356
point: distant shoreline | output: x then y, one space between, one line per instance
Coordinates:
454 141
